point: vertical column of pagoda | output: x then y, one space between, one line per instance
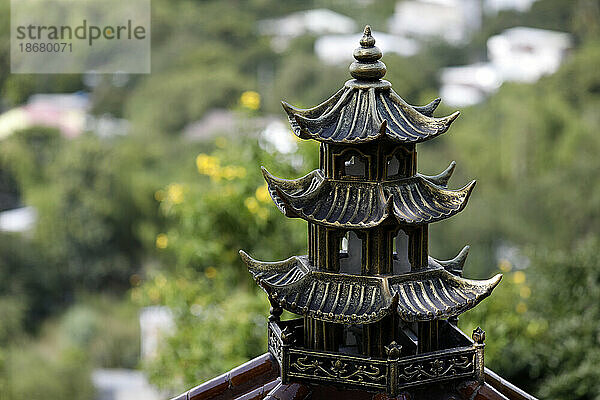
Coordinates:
377 243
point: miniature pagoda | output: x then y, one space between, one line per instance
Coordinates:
377 312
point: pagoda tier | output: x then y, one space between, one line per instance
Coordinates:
360 205
361 113
427 295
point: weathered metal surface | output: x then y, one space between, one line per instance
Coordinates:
367 109
368 373
298 287
360 205
259 372
357 115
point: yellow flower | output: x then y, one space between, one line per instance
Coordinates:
504 265
232 172
159 195
211 166
521 308
235 172
250 100
175 193
207 165
210 272
262 213
519 277
262 194
162 241
252 205
154 295
161 281
525 292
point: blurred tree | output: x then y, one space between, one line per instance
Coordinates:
566 298
28 279
28 154
29 373
542 323
528 146
189 93
219 315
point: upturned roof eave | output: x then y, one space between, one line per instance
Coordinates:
343 204
426 295
388 117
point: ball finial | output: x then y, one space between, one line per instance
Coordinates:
367 66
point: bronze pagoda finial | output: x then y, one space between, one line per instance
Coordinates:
367 66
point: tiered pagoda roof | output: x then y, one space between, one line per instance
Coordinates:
360 114
367 108
337 203
343 298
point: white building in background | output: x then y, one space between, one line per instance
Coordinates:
18 220
337 49
518 54
318 22
450 20
156 324
526 54
123 384
67 112
494 6
468 84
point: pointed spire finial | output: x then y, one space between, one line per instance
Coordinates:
367 40
367 66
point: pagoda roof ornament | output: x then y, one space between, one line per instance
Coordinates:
367 66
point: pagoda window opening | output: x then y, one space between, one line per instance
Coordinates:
352 340
401 262
351 247
355 167
393 167
350 163
398 163
344 246
408 337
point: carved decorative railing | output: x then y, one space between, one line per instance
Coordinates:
298 364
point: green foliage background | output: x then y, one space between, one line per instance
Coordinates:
156 219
